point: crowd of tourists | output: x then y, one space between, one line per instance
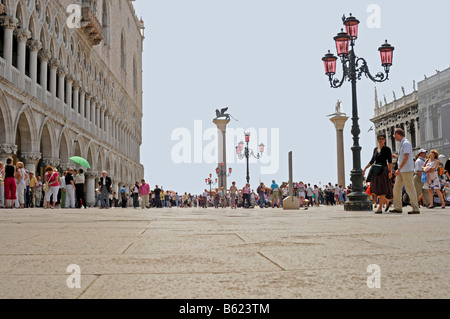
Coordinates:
422 181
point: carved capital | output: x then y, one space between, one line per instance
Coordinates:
8 149
22 35
77 85
44 55
62 71
9 22
91 174
34 45
30 156
54 63
70 77
53 162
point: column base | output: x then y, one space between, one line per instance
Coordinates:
358 202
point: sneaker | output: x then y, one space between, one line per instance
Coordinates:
395 211
414 212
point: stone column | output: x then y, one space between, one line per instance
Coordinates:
44 57
30 160
291 202
22 38
9 23
82 102
53 74
90 187
76 96
34 47
222 151
339 123
93 109
69 82
88 107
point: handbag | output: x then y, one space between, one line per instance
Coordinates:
424 177
377 169
45 187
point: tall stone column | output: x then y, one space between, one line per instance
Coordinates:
90 187
62 72
30 160
34 47
44 57
69 82
76 96
339 123
53 74
9 23
22 37
82 102
88 107
221 150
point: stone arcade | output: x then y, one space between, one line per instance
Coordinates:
72 91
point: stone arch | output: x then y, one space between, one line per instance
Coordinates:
5 120
48 139
90 156
109 162
65 147
26 133
33 27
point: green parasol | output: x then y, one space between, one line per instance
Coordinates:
80 161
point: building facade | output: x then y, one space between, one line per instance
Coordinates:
71 85
424 114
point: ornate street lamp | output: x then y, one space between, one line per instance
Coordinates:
248 152
353 68
210 182
220 171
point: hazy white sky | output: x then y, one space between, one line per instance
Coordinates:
262 59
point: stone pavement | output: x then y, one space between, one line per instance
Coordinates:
223 254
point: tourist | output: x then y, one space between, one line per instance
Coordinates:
105 190
21 184
70 189
381 163
316 196
32 184
233 195
38 192
79 189
9 184
433 183
261 191
223 198
447 168
301 193
51 178
275 193
123 197
404 174
157 192
135 194
422 196
2 186
246 195
144 191
62 189
310 193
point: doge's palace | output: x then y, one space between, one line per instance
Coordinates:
71 85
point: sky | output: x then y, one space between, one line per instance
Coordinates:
263 60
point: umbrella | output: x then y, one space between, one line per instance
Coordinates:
80 161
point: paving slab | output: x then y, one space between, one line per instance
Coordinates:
193 253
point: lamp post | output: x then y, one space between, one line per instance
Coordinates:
248 152
210 182
221 172
353 68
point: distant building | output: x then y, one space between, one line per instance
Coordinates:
424 114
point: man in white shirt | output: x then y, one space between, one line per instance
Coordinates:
418 176
404 174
